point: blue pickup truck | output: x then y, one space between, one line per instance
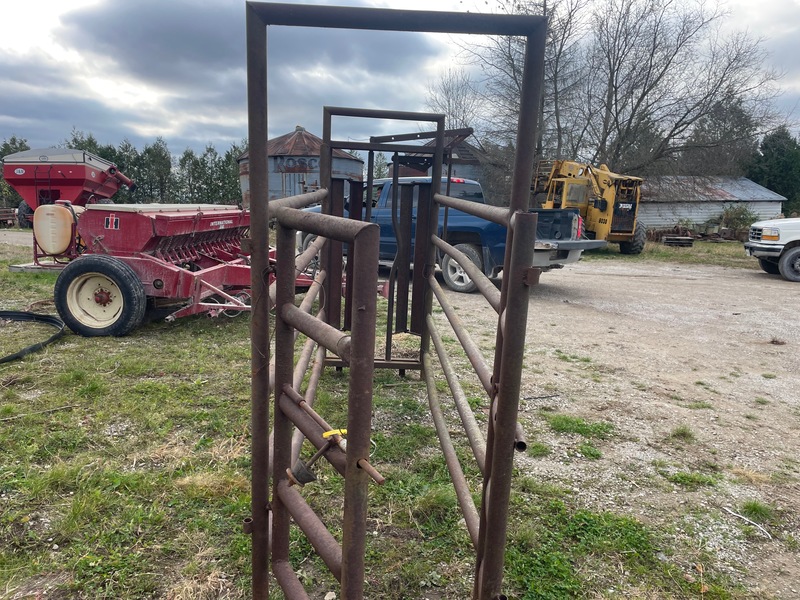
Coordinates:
557 237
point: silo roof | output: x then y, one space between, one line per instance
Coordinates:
299 143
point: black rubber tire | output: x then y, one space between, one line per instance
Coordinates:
789 264
454 276
636 245
99 295
25 215
769 266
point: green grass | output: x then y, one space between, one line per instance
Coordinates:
758 511
682 433
691 480
561 423
723 254
136 487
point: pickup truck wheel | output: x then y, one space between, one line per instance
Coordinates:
454 276
769 266
789 264
636 245
100 295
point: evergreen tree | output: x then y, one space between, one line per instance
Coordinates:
776 166
9 198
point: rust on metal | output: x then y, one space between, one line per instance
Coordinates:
347 330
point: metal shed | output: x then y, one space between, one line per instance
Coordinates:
294 165
669 201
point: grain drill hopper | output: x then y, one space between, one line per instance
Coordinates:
120 259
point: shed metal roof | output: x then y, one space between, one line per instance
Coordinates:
706 189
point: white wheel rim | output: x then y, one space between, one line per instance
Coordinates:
94 300
457 274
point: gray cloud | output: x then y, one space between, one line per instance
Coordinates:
194 54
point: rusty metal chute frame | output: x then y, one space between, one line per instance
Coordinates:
271 512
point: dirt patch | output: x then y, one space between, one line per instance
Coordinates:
698 370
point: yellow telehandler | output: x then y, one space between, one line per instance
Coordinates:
608 202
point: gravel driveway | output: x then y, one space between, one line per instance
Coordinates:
698 371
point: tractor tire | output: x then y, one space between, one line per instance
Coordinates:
454 276
789 264
25 215
636 245
769 266
99 295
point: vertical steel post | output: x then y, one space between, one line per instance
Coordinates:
509 349
404 257
354 209
359 411
419 278
284 374
259 313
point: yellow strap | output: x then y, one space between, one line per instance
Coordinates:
328 434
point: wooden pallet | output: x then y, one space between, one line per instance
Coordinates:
675 240
8 217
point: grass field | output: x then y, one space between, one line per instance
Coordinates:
124 473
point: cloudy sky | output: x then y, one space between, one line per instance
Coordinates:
138 69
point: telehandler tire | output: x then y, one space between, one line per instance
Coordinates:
636 245
99 295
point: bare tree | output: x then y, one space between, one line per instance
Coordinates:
627 82
454 96
655 70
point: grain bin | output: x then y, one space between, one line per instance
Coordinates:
293 165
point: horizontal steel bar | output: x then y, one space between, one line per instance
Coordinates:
479 278
396 20
337 228
299 201
363 463
471 349
334 340
496 214
422 135
324 543
471 427
396 363
379 113
384 147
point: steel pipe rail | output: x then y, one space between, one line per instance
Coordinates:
288 580
301 200
471 349
496 214
334 340
341 229
460 484
309 396
502 383
382 19
312 430
484 284
324 543
471 427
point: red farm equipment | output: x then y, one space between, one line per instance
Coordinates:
118 259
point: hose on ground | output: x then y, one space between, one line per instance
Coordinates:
18 315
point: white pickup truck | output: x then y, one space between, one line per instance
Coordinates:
776 245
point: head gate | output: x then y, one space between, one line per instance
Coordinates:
342 334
